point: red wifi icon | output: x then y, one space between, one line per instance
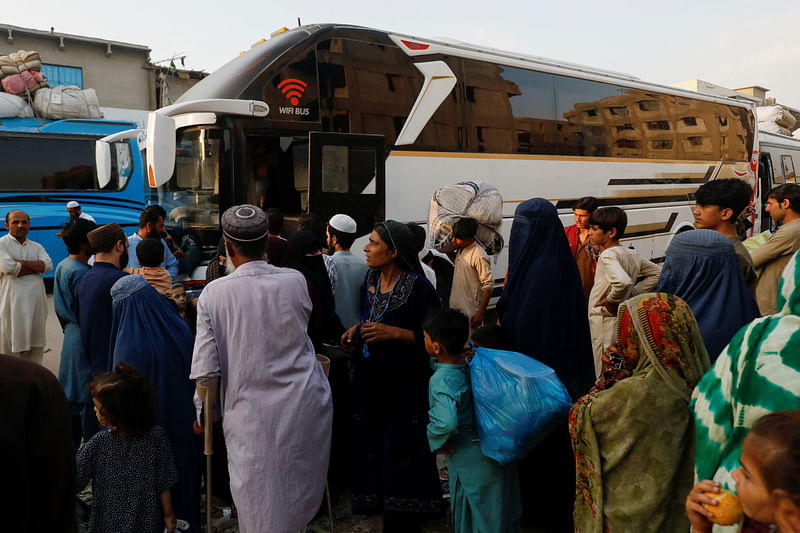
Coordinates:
293 89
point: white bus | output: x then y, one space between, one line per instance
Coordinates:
336 118
779 156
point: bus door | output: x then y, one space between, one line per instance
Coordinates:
767 178
347 175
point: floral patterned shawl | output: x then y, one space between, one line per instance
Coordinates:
633 433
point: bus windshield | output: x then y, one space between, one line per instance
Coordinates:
191 196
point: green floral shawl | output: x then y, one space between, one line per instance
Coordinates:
633 433
757 373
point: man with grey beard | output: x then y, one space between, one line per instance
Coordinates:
252 341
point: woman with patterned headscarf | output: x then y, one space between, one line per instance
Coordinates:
757 373
394 473
633 433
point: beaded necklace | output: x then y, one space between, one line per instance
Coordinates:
376 314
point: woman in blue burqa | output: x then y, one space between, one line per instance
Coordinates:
394 472
148 333
702 268
543 314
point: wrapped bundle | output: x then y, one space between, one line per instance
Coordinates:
776 115
19 62
28 81
67 102
468 199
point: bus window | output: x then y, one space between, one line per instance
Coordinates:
372 87
788 168
69 164
335 169
765 176
365 87
584 108
121 165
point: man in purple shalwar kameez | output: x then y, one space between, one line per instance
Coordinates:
275 399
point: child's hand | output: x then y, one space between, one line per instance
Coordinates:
170 521
448 450
197 428
699 516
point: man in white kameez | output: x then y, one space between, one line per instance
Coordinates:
23 303
275 398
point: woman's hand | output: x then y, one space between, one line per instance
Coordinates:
699 516
377 332
347 342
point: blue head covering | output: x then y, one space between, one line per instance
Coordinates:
542 309
701 267
148 333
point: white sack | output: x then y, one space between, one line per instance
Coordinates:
769 127
12 106
776 114
473 199
66 102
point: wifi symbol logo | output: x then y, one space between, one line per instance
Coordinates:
293 89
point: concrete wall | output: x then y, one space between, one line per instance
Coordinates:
176 84
121 79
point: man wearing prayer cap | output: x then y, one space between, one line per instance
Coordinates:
23 303
74 210
351 270
93 297
275 399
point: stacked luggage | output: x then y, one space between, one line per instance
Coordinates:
776 119
25 92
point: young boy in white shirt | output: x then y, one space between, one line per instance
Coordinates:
618 268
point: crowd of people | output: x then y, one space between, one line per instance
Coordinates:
685 377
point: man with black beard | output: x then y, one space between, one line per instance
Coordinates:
151 226
110 246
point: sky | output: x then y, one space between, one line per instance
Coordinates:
733 43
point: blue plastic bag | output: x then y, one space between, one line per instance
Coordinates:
518 401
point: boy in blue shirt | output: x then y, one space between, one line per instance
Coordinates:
484 494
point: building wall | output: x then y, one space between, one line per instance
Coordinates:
120 80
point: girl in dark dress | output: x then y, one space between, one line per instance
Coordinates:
394 472
129 462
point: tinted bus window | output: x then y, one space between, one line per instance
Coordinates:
488 108
590 112
371 88
365 87
41 163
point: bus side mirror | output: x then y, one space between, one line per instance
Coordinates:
102 158
102 153
161 154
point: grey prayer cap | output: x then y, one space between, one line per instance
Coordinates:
244 223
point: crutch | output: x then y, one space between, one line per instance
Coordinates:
207 390
326 368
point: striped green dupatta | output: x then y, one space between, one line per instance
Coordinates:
757 373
